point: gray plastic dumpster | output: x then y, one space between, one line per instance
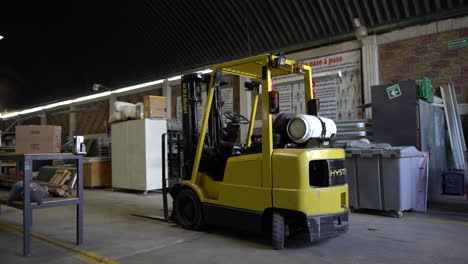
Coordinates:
383 179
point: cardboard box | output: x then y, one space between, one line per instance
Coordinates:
38 139
97 174
155 106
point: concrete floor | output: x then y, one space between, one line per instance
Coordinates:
111 231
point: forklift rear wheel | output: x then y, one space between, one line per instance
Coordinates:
188 210
278 230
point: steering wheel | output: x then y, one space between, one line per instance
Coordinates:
236 118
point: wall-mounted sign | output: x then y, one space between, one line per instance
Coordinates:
393 91
339 98
227 96
458 43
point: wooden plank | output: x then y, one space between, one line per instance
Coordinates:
66 176
54 178
59 175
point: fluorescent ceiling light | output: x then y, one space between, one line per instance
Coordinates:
206 71
67 102
173 78
89 97
31 110
8 115
138 86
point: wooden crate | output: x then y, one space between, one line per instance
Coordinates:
97 174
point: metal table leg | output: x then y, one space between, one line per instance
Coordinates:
17 168
27 212
79 206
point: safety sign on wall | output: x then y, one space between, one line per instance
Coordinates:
227 96
339 97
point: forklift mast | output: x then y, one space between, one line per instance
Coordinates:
192 89
191 95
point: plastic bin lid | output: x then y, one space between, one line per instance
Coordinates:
402 152
397 152
363 152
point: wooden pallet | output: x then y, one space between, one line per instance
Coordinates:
61 177
55 189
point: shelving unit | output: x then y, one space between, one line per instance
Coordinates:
25 161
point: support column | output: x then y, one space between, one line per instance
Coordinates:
72 122
43 116
167 92
27 211
370 69
112 100
245 101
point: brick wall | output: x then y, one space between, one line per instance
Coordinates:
55 118
94 119
430 57
6 124
31 120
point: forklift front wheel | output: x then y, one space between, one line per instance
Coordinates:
278 230
188 210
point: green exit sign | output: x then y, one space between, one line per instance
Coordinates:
393 91
458 43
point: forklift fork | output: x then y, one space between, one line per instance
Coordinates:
165 216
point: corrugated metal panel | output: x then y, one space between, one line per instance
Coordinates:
129 42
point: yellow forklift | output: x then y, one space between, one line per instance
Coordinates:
284 181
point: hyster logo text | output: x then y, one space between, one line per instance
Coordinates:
338 172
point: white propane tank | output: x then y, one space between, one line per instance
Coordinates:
302 127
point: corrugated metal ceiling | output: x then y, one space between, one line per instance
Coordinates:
55 50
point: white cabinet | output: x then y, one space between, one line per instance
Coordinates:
136 154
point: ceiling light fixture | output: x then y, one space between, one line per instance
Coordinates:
206 71
8 115
67 102
98 86
360 31
1 37
89 97
138 86
31 110
173 78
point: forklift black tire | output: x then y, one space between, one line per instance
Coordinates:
278 230
188 210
